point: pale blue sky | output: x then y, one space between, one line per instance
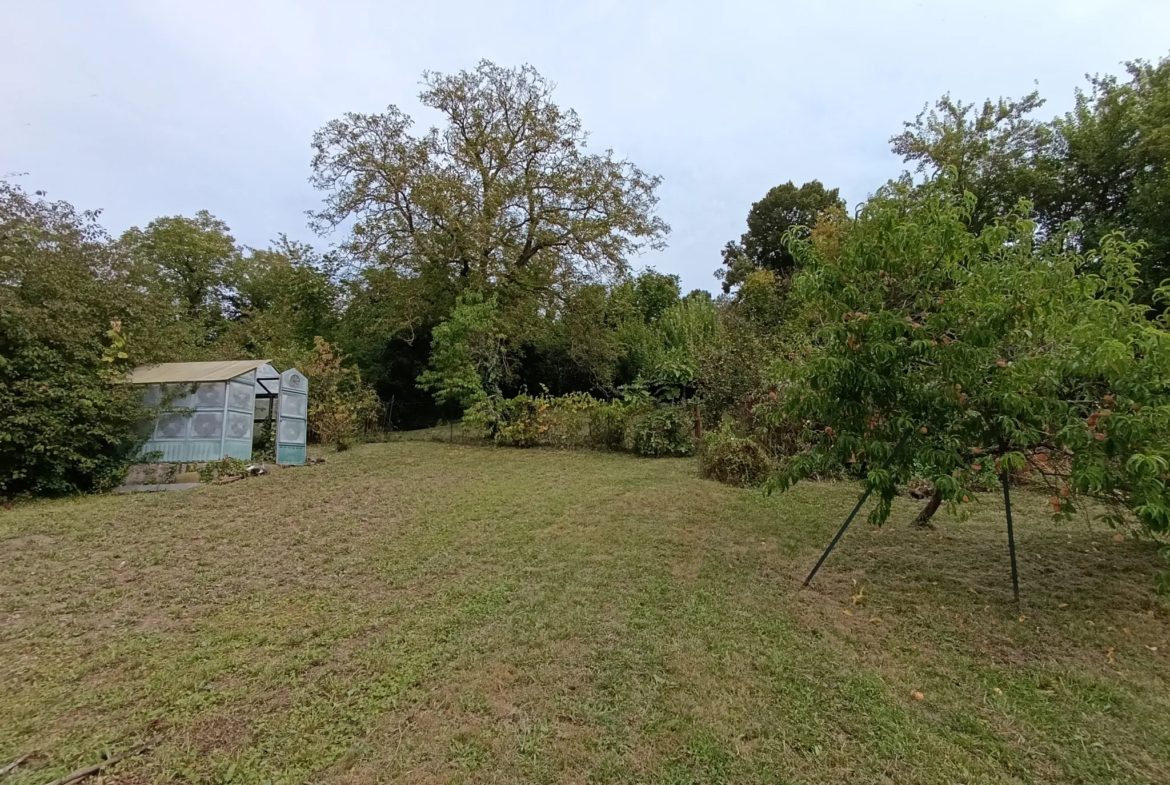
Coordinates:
156 108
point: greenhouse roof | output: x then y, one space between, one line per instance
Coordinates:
220 371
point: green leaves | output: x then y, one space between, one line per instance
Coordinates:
1012 461
467 353
65 426
502 196
934 344
764 247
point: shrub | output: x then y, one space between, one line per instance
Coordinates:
729 459
341 406
607 425
664 431
576 420
521 421
65 424
582 421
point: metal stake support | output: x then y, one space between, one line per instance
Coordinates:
841 531
1007 502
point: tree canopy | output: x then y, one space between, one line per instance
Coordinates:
504 193
762 247
940 351
995 151
73 312
1103 165
1115 163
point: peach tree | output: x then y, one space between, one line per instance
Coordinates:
936 351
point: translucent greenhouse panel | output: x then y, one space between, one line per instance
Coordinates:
171 425
207 425
291 431
294 381
268 380
239 425
295 406
201 422
179 396
209 395
292 427
153 396
240 409
241 397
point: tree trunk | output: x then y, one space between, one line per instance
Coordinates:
932 505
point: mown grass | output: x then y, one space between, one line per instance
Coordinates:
423 612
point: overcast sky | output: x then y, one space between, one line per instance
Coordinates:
160 108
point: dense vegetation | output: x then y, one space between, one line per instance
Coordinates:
1003 300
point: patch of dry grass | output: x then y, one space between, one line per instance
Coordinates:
424 612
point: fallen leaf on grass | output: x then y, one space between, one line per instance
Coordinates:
916 695
1126 630
1109 654
848 613
1119 538
1063 605
857 597
997 690
876 619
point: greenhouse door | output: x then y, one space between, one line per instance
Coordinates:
292 426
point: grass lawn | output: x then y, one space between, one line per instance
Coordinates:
424 612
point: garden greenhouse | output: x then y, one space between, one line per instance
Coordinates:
206 411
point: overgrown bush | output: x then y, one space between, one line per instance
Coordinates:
517 422
65 424
341 407
576 420
579 420
733 460
608 422
664 431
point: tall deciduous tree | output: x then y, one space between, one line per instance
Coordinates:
998 152
1104 164
279 300
191 257
503 194
762 246
1115 149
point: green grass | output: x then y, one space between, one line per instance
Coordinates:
424 612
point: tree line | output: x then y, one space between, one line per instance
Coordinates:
485 266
